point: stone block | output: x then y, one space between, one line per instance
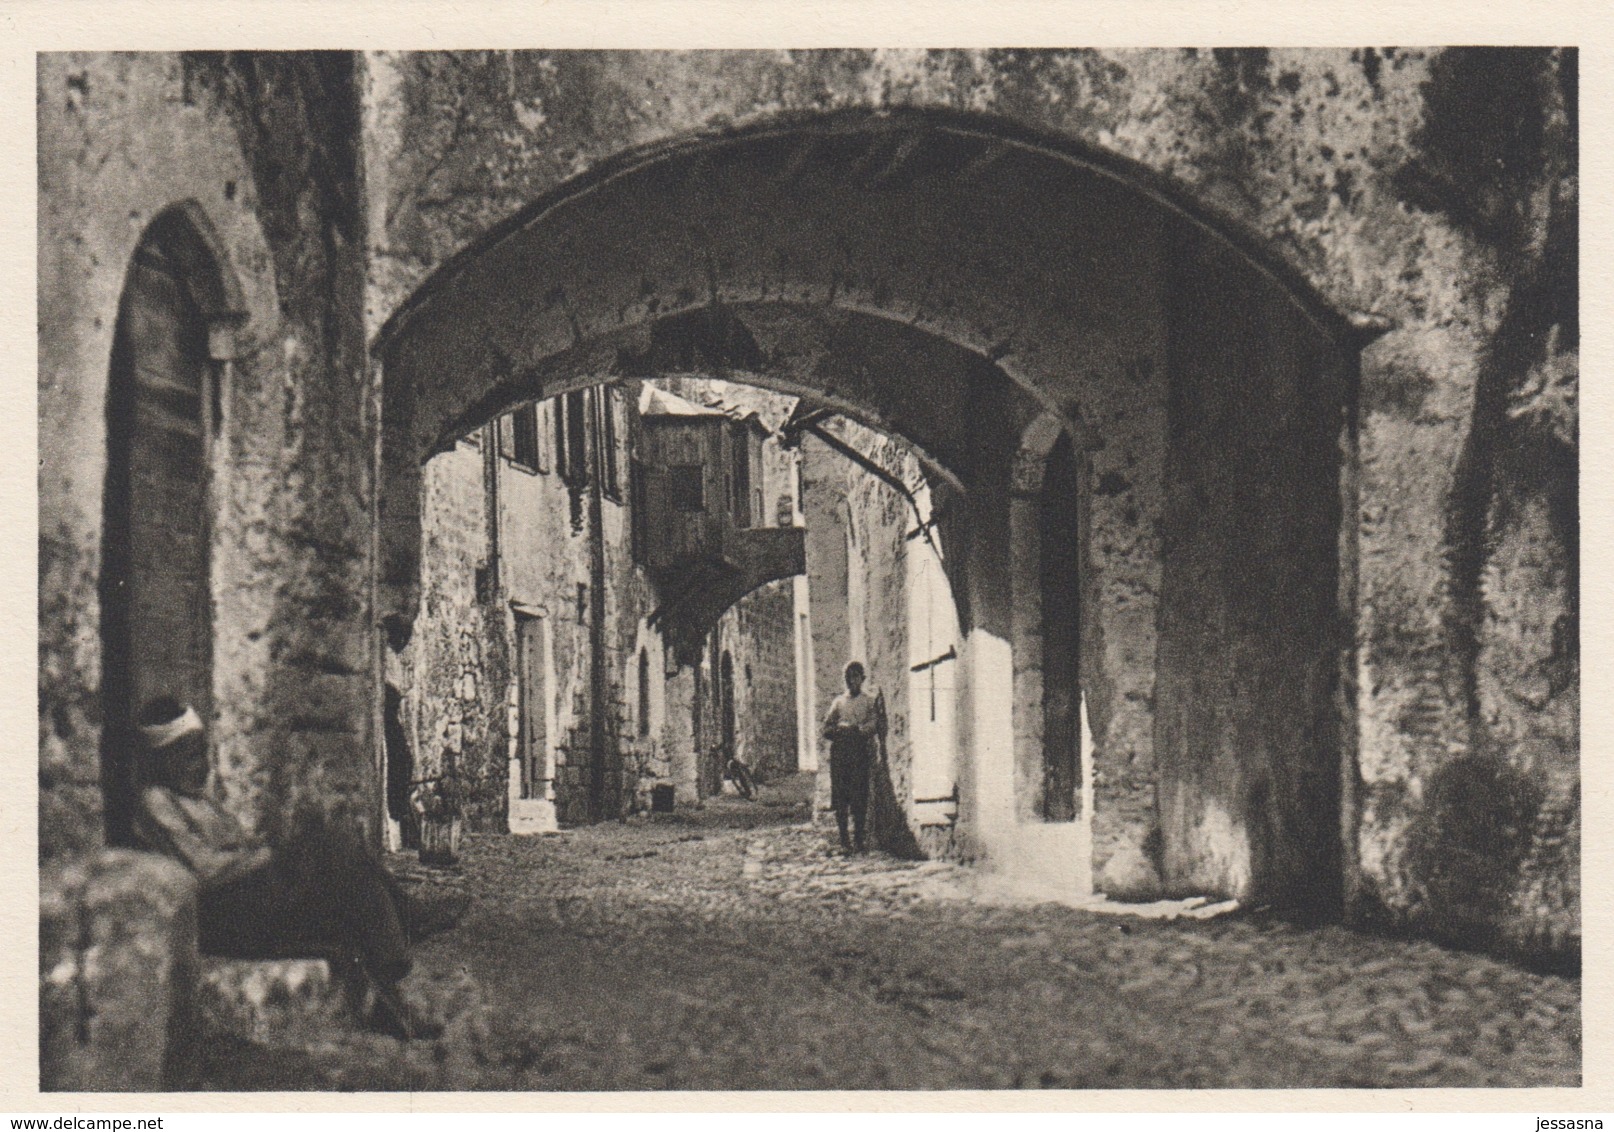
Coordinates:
272 1002
532 815
70 819
439 999
117 959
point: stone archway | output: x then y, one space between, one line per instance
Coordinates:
950 280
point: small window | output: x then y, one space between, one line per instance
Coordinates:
557 418
644 691
610 484
582 603
575 469
639 510
686 487
522 426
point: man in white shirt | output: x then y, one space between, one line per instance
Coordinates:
855 728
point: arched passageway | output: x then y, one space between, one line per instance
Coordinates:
955 281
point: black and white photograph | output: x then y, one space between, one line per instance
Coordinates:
627 569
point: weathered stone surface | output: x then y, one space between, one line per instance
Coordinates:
1435 189
117 960
262 147
1248 738
272 1002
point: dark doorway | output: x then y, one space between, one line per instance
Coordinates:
533 700
400 766
725 711
644 693
156 609
698 730
1061 623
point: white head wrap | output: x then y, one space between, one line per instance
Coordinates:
160 735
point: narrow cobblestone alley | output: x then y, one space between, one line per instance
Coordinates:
1143 480
728 949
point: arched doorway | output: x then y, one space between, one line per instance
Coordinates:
171 346
1059 543
725 714
950 280
1053 776
400 765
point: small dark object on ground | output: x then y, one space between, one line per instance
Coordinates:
433 915
738 773
391 1015
439 840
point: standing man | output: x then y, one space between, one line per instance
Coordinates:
855 728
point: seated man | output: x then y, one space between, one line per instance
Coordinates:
323 893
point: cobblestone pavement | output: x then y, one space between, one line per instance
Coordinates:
728 949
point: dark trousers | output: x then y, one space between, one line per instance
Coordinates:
325 894
850 756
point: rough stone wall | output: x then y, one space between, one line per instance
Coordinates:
1247 729
823 491
458 663
660 751
633 764
1125 542
1476 834
266 146
678 735
464 653
463 659
758 633
884 519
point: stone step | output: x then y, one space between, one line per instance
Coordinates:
296 1003
117 958
273 1002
